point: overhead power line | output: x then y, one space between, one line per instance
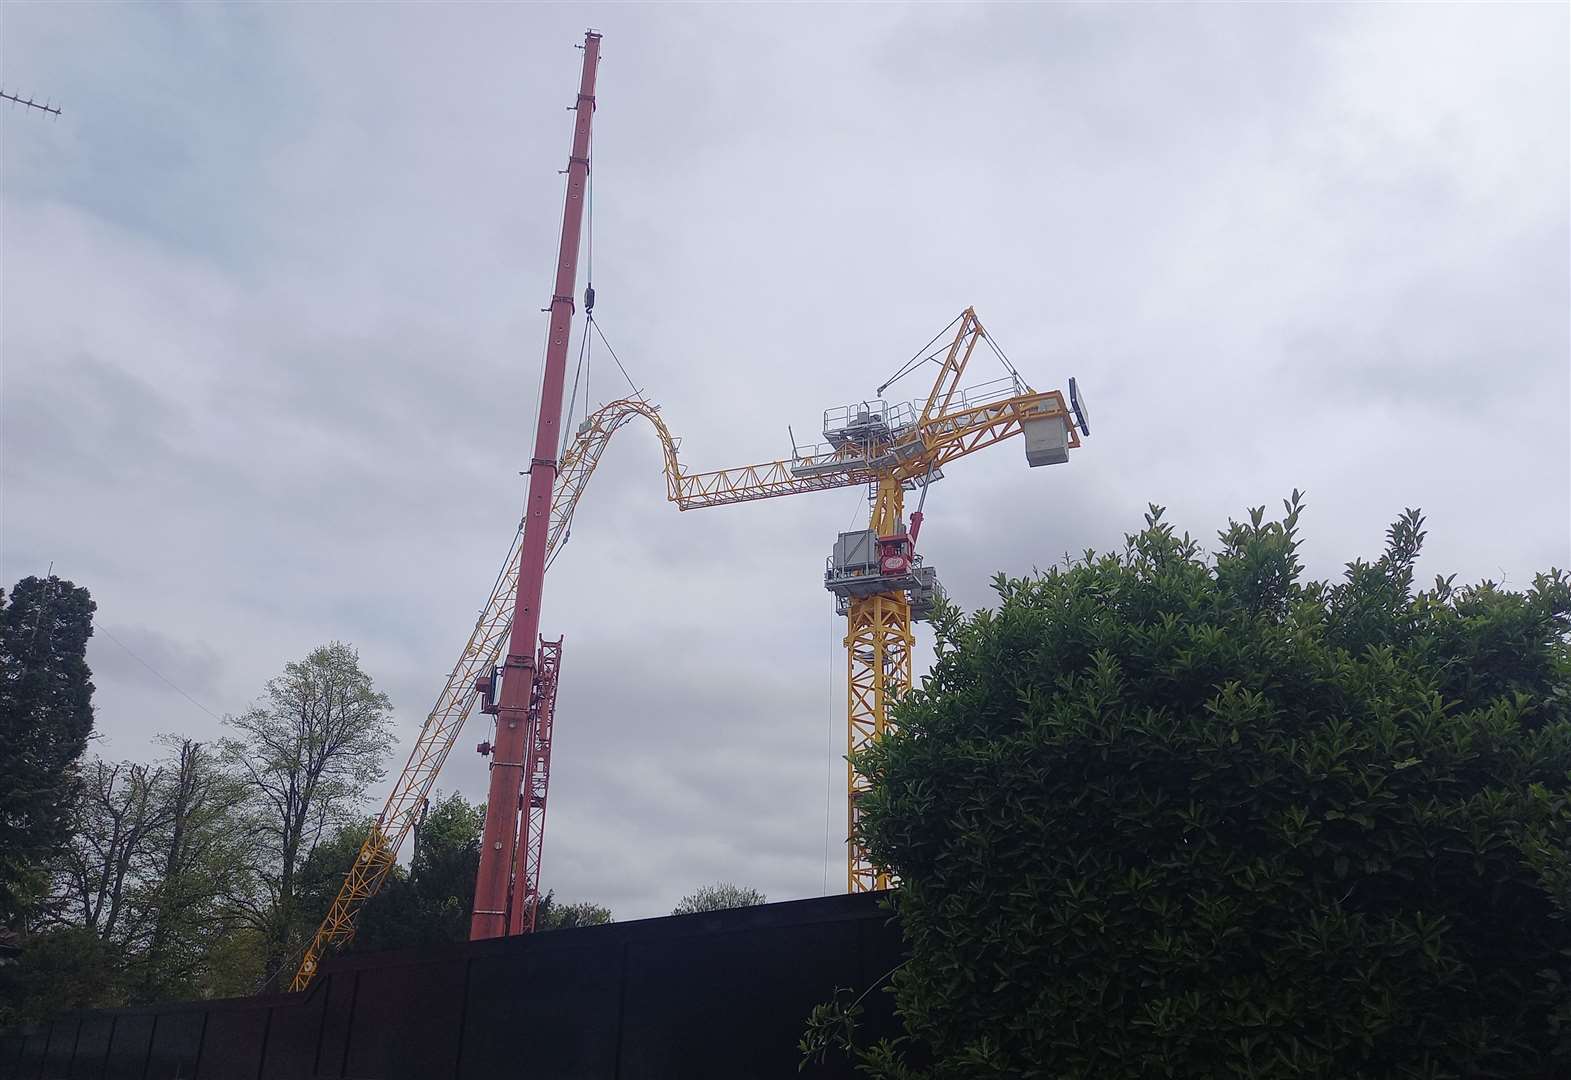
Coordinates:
162 677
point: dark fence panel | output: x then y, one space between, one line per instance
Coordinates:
128 1047
232 1044
729 1004
295 1033
31 1061
720 995
11 1052
407 1021
880 950
557 1007
177 1041
62 1046
92 1047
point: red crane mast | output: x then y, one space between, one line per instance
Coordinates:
507 885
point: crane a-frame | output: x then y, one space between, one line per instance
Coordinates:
879 582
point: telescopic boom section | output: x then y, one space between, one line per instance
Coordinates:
511 759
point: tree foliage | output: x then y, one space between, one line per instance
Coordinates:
430 902
118 812
718 897
553 915
195 865
68 967
1160 814
306 755
322 873
443 867
198 873
151 867
46 716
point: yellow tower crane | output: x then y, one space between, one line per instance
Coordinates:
879 582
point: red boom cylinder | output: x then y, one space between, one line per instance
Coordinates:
499 852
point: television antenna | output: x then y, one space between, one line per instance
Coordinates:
30 103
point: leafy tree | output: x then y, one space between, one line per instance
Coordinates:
46 716
193 866
150 866
306 755
68 967
322 873
556 916
443 867
718 897
431 901
118 811
1165 815
233 963
428 903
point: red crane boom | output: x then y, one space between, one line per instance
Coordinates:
506 887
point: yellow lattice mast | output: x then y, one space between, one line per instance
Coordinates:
878 645
878 580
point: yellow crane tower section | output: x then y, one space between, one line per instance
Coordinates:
875 574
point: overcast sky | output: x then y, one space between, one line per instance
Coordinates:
272 335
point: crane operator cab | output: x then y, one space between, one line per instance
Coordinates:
865 564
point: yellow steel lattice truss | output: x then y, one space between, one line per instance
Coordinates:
878 670
878 638
398 816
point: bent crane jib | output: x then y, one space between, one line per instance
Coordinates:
879 581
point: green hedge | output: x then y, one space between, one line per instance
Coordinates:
1163 814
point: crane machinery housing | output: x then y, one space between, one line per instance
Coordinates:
879 581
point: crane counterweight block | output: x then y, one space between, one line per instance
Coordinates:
485 686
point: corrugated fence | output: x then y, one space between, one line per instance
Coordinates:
720 995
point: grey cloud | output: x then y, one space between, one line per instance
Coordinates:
136 655
271 338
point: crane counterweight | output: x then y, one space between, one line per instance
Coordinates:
1047 440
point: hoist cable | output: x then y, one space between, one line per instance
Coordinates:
586 357
999 352
572 401
596 324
